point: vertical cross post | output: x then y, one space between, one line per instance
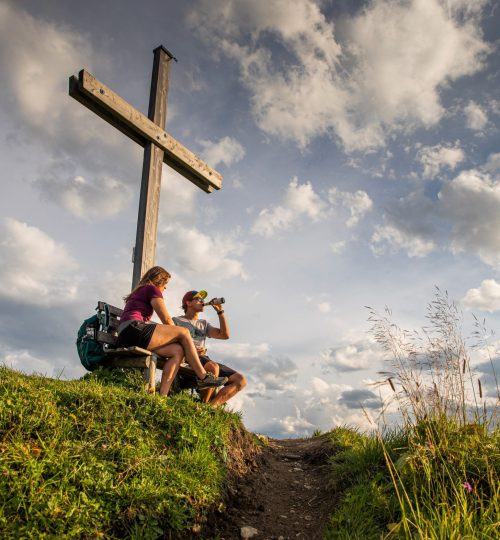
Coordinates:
149 200
159 147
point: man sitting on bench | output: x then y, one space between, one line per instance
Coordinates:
200 329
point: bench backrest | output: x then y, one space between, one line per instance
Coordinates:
110 321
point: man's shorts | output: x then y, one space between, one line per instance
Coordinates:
224 371
137 333
186 381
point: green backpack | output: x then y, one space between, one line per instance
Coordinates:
90 351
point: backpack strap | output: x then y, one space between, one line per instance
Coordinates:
103 314
106 317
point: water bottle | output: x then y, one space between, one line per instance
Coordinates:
215 301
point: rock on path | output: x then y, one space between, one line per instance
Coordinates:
287 495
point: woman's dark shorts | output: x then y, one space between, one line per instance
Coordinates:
136 334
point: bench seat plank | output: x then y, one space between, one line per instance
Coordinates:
128 351
129 362
144 361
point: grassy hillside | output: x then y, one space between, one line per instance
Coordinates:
99 458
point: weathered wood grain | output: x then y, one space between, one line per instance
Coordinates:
113 311
128 362
149 200
114 109
104 337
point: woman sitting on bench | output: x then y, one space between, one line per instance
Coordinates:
167 340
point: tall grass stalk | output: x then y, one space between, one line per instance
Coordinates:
431 375
436 476
446 481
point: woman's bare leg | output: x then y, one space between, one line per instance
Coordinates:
165 334
175 354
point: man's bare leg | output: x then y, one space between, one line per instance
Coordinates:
235 383
212 367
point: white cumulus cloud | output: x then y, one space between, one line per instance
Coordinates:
471 202
215 255
178 196
485 298
242 350
393 238
36 59
34 268
475 116
338 247
320 302
358 203
435 158
292 425
87 198
266 372
351 357
25 362
299 201
225 151
492 164
465 218
385 76
327 405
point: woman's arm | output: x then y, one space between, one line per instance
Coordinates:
161 310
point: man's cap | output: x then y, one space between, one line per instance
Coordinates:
190 295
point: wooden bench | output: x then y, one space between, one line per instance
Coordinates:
130 357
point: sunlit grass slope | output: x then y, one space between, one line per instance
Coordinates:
100 458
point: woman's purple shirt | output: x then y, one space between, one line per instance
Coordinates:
138 306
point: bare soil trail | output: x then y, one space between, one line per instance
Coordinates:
286 494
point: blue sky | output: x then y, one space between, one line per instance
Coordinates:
359 146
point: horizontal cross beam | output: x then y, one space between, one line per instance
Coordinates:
114 109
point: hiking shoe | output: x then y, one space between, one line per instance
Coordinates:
210 381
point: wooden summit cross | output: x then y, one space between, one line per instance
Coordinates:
158 145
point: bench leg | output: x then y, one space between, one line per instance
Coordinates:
152 374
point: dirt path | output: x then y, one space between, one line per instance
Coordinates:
286 495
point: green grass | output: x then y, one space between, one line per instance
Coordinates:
360 474
100 458
412 483
437 476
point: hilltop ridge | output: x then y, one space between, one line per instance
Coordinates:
100 458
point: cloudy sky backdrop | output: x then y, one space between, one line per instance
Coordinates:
359 145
